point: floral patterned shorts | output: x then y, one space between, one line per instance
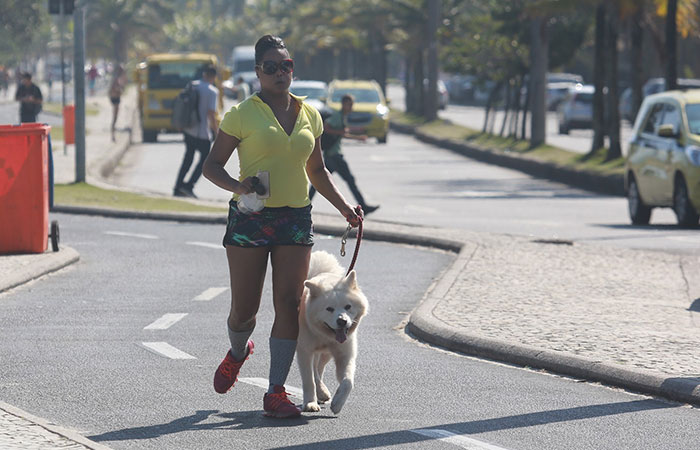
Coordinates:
271 226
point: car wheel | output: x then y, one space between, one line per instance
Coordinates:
382 140
639 212
150 136
686 214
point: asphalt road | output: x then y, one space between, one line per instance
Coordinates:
78 348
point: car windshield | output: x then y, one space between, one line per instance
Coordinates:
693 113
361 95
173 75
310 92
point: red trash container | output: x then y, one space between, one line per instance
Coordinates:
69 124
24 188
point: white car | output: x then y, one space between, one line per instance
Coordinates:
576 110
316 93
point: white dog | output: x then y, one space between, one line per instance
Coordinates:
330 311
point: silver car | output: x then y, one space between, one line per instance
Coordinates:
576 110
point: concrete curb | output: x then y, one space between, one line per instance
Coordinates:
423 324
603 184
44 264
61 431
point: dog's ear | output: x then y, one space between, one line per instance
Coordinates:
314 289
350 281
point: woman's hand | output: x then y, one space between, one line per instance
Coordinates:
246 186
353 216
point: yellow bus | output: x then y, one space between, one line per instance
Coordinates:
160 77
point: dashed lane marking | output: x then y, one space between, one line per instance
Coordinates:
263 383
166 321
136 235
205 244
167 350
456 439
210 294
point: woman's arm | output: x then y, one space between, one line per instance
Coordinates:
214 170
323 182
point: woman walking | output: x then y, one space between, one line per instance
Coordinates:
278 135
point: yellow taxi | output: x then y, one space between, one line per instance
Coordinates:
370 113
662 166
160 77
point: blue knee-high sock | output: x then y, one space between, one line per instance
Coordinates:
239 343
281 357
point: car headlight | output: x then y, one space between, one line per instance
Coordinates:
693 153
153 103
382 110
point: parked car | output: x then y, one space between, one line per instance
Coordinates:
557 92
576 110
316 93
662 166
370 114
442 94
561 77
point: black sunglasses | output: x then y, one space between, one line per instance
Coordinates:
271 67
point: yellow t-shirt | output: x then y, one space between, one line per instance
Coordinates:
265 146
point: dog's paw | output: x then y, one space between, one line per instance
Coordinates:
341 395
323 394
311 407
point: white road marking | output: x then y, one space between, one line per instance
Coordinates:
210 294
205 244
456 439
166 321
136 235
167 350
264 383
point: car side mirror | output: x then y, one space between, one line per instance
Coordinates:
323 99
668 131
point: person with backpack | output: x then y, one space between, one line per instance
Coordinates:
199 134
335 128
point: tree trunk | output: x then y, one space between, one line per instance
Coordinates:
513 128
506 109
417 88
539 52
408 97
614 151
431 102
599 80
637 35
526 108
671 45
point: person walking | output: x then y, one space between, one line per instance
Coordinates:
242 89
197 138
336 126
116 89
29 97
278 134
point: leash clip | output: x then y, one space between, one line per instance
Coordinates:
344 240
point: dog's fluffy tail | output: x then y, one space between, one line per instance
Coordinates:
323 262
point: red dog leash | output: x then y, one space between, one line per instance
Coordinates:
358 210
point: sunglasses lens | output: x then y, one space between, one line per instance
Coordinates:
287 66
269 67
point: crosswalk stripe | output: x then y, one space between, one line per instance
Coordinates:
456 439
167 350
210 294
263 383
136 235
205 244
165 322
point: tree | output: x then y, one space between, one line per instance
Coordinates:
599 79
671 44
538 79
613 112
24 29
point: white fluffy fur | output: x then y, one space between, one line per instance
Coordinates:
330 311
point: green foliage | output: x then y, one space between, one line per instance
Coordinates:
24 29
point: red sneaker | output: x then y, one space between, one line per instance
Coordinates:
278 405
227 373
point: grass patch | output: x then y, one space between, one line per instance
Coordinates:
56 134
82 194
546 153
91 109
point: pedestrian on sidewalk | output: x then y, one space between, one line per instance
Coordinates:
197 137
279 134
30 99
336 128
242 89
116 89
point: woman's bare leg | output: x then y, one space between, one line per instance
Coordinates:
247 268
290 266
